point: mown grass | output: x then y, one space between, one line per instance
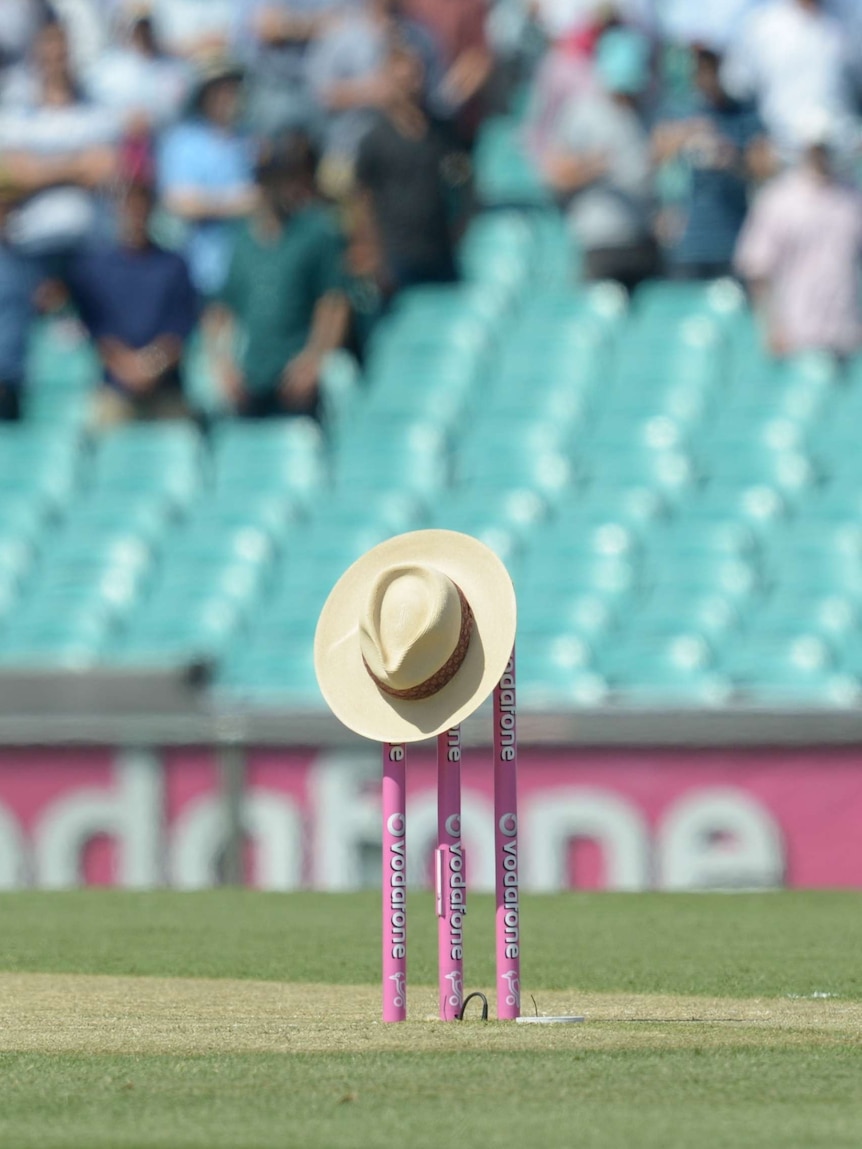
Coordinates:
723 1100
738 945
649 1092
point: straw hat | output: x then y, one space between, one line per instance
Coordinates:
415 635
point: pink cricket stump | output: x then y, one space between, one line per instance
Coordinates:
506 846
450 883
394 882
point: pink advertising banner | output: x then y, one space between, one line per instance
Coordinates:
623 820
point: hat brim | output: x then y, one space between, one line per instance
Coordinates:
348 688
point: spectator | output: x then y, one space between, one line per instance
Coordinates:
87 24
17 286
349 76
276 37
792 54
458 26
799 252
566 74
600 165
18 27
195 29
284 292
137 302
715 23
206 173
401 180
723 145
59 152
138 80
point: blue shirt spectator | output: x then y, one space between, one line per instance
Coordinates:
137 302
206 173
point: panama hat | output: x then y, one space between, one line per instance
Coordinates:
415 635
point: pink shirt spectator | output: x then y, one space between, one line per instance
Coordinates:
803 241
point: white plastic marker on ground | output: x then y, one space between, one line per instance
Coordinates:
563 1020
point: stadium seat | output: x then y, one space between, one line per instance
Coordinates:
571 539
61 358
271 674
788 670
692 610
759 505
790 609
545 572
39 463
548 473
389 511
673 302
635 506
702 572
674 670
544 684
164 459
103 513
504 174
281 456
172 629
604 303
514 510
692 537
671 473
559 611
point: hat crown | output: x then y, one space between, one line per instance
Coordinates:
411 625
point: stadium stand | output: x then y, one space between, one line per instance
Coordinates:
679 510
672 504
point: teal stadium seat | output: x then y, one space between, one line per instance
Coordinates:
788 670
711 614
274 457
39 463
412 458
267 673
62 371
670 303
159 459
545 683
637 506
392 511
759 505
561 611
504 174
548 473
669 670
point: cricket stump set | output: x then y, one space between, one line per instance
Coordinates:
450 871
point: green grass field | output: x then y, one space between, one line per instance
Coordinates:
236 1019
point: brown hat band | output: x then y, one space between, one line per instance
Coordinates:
447 671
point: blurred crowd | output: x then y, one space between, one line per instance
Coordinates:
273 172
